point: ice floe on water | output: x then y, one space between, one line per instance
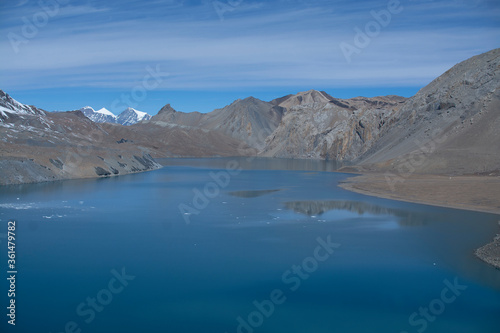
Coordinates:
46 205
18 206
53 216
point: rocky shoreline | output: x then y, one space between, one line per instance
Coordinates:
39 168
490 253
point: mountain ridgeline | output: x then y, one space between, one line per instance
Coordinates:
128 117
451 126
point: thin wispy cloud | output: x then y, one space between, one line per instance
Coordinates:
257 44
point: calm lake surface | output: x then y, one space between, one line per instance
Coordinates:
202 246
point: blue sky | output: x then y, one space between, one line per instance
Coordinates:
201 55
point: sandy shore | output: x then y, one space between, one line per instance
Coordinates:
478 193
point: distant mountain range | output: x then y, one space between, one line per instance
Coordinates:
128 117
451 126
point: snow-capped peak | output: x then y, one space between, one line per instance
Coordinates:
140 114
10 105
87 108
100 116
128 117
106 112
132 116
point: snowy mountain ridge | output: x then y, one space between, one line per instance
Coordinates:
99 116
9 105
132 116
128 117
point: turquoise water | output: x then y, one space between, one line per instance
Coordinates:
201 246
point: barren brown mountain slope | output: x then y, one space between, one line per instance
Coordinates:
37 146
249 121
451 127
171 140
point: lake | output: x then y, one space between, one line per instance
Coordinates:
242 245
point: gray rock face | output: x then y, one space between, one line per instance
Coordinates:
319 126
451 126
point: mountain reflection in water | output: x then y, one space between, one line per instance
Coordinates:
251 194
317 208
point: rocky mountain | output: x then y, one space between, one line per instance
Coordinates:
319 126
302 98
309 124
451 126
40 146
131 116
179 134
100 116
168 116
249 121
128 117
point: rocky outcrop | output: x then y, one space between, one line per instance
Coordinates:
322 127
490 253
